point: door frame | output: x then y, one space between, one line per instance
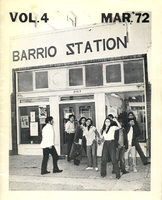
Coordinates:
63 145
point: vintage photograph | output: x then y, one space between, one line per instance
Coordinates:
80 100
91 84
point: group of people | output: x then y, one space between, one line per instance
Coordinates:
119 138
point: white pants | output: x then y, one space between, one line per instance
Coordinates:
131 151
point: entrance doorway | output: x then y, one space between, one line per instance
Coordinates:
79 110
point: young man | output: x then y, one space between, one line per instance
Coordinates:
132 134
137 145
70 130
47 145
121 138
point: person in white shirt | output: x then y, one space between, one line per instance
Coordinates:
47 145
91 135
70 131
132 134
109 146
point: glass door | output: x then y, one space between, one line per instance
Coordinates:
79 110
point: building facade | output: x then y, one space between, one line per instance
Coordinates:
89 71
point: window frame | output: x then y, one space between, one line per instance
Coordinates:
143 68
93 86
17 82
34 80
104 73
68 76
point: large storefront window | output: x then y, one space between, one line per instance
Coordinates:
120 104
32 120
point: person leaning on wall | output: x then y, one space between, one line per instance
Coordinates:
47 145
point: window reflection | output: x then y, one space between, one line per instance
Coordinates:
85 111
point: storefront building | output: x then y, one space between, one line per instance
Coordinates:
88 71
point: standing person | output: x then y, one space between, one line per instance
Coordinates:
47 145
76 151
70 129
137 145
109 146
91 135
121 138
84 142
132 134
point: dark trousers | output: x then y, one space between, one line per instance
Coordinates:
46 152
84 144
120 158
70 140
140 152
76 161
109 153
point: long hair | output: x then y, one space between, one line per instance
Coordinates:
134 117
112 123
80 120
131 113
88 127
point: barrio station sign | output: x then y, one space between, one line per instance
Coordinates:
100 41
71 48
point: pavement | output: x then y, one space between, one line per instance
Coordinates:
24 175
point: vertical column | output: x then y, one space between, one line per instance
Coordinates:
100 114
54 112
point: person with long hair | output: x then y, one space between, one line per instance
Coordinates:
137 145
76 151
91 135
132 134
109 146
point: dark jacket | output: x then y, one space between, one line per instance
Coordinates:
124 137
76 150
78 134
136 133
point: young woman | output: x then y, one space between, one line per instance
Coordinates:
109 146
91 135
76 151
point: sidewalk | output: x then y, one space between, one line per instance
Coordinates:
24 175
